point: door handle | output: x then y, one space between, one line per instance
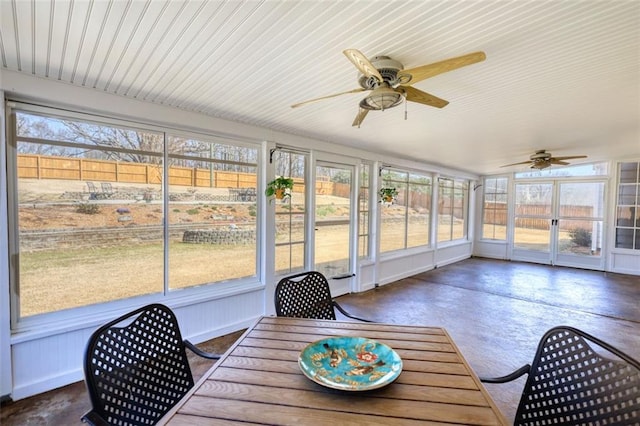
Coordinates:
343 276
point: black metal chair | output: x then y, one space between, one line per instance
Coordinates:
107 189
307 295
577 379
136 367
93 191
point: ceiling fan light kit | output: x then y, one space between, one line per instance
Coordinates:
381 98
389 82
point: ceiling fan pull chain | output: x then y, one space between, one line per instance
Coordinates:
405 107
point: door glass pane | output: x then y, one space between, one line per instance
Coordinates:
290 215
580 237
583 199
332 220
580 223
394 215
533 216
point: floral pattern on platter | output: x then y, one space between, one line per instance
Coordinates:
350 363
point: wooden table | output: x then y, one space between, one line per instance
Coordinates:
258 381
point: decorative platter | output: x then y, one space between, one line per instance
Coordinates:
350 363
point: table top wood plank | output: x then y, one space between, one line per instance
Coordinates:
370 333
251 346
406 377
257 359
258 380
217 388
189 420
353 325
411 333
282 336
288 415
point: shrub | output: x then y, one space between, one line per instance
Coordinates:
580 237
193 211
88 208
325 210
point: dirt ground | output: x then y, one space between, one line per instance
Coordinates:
50 206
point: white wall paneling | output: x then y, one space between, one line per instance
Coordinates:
393 268
47 362
491 249
452 253
366 276
625 263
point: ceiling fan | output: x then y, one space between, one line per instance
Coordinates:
542 159
390 83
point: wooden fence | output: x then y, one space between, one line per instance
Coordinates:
496 214
84 169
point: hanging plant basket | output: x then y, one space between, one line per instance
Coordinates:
280 188
387 195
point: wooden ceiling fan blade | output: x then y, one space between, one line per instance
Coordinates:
327 97
360 117
362 63
517 164
558 161
431 70
416 95
571 157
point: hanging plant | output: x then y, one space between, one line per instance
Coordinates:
280 188
387 195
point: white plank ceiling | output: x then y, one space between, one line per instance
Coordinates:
559 75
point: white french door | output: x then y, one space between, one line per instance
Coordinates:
559 223
333 224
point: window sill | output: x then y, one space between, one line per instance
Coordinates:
50 324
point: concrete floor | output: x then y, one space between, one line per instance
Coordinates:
496 312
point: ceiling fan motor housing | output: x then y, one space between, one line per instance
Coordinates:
540 155
388 69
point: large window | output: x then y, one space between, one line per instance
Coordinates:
404 223
101 205
628 206
494 209
452 209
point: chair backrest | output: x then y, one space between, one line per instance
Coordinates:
136 367
304 295
576 378
106 187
